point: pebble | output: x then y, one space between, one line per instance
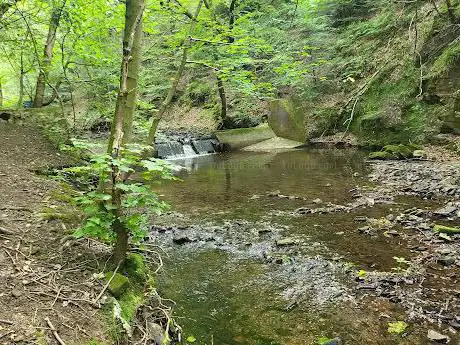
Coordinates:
16 293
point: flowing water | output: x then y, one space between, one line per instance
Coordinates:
238 287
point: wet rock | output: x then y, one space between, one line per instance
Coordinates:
182 239
446 260
317 201
447 211
454 324
438 337
286 242
156 333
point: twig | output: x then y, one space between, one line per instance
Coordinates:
57 296
55 333
107 284
420 87
8 322
7 333
5 231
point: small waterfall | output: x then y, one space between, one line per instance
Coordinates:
188 150
205 145
169 149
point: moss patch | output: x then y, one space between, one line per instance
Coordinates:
118 285
136 268
395 152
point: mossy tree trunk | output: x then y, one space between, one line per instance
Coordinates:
45 65
451 12
124 112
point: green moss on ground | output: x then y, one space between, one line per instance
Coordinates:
118 285
395 152
131 289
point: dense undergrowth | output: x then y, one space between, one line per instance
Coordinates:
389 77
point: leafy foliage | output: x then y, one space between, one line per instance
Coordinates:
95 196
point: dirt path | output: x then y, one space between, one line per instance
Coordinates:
43 274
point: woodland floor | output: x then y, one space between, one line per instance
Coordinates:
43 273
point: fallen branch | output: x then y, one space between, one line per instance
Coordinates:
55 333
7 322
107 284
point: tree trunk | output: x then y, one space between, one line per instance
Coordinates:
167 101
231 22
126 100
124 110
172 91
47 56
223 99
21 89
451 12
220 83
1 93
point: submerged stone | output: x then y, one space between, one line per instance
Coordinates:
118 285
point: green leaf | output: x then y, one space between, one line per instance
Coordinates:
191 339
397 327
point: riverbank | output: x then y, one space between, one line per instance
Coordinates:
54 287
44 273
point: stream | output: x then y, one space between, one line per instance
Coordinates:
246 265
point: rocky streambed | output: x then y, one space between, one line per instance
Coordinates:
341 249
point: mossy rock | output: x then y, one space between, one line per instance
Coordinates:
446 229
400 151
136 268
118 285
382 155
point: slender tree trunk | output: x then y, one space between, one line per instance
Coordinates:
451 12
220 83
223 99
47 56
231 22
167 101
124 110
172 91
21 89
1 93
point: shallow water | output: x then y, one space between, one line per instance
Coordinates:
226 297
